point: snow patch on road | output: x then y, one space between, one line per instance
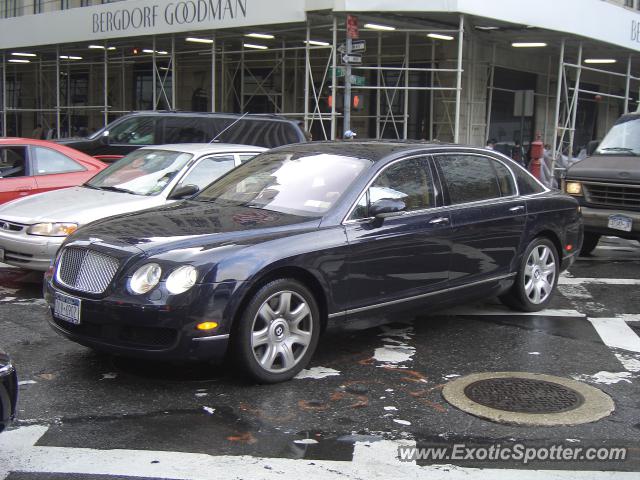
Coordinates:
402 422
317 373
395 350
606 378
306 441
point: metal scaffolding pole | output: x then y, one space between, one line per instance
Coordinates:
628 86
282 76
556 121
154 66
124 82
242 79
4 94
432 92
174 75
405 128
307 73
57 91
223 79
492 73
379 92
574 102
213 74
546 101
456 131
106 89
334 87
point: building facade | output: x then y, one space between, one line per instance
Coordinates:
452 70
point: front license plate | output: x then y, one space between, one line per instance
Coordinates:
67 308
620 222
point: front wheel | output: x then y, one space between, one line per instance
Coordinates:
536 279
277 332
589 243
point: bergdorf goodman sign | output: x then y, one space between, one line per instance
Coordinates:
185 12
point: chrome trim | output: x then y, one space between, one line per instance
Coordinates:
215 337
417 297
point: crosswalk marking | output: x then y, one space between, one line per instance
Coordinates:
564 280
377 460
615 333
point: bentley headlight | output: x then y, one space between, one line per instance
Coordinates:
574 188
52 229
145 278
182 279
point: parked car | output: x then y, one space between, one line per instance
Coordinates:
32 229
8 390
607 184
135 130
262 259
33 166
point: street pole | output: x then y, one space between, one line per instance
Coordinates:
347 88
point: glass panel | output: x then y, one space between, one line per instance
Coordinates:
469 178
207 170
307 184
505 179
49 161
134 131
12 162
143 172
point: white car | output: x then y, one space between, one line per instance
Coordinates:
32 228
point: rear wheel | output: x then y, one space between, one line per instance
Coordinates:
589 243
536 279
278 331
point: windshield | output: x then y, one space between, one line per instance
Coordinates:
143 172
307 184
623 138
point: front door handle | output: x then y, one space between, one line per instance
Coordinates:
439 221
519 208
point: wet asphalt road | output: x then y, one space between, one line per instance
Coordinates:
364 385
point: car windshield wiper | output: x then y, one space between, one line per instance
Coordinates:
619 149
118 189
88 185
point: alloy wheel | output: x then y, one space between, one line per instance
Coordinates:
539 274
281 332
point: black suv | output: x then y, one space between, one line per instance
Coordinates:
607 184
136 130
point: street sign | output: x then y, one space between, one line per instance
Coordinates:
358 80
351 59
340 72
352 27
357 46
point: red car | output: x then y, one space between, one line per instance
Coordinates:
32 166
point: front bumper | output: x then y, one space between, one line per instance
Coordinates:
596 220
28 251
162 327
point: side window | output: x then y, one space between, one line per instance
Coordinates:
526 183
408 180
13 162
47 161
246 156
134 131
505 179
469 178
208 170
185 130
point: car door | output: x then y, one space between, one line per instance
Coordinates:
15 179
207 169
407 255
487 215
52 169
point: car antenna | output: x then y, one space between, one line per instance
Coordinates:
220 133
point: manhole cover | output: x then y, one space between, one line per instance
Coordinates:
523 395
528 398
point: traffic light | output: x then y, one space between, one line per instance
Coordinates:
357 102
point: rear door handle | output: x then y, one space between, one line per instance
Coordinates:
439 221
519 208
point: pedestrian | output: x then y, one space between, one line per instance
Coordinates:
491 144
517 153
38 132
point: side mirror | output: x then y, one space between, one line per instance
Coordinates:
182 192
386 207
105 137
591 146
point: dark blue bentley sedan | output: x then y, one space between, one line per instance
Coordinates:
260 261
